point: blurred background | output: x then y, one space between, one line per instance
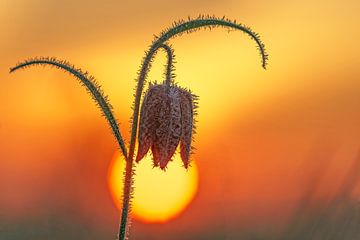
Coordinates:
278 152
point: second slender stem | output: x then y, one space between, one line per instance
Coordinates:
126 200
129 172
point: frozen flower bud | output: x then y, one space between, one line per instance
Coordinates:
166 119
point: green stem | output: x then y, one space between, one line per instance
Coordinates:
92 86
129 172
177 29
170 64
128 185
210 22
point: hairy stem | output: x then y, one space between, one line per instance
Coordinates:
91 85
170 64
201 22
177 29
128 182
127 192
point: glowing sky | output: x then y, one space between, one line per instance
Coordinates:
256 128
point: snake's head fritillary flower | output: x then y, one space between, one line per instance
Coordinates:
166 119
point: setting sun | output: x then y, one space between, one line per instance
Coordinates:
158 195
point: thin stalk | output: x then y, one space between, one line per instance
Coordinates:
177 29
169 75
91 85
129 171
128 189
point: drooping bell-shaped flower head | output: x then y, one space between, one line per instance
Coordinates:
166 119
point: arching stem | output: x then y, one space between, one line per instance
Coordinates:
129 171
91 85
170 64
177 29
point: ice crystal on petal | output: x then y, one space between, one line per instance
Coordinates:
148 118
188 106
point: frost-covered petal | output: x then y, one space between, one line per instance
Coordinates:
168 132
188 106
166 119
149 118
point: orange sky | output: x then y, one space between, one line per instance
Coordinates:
260 133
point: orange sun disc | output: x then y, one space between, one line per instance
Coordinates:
158 195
